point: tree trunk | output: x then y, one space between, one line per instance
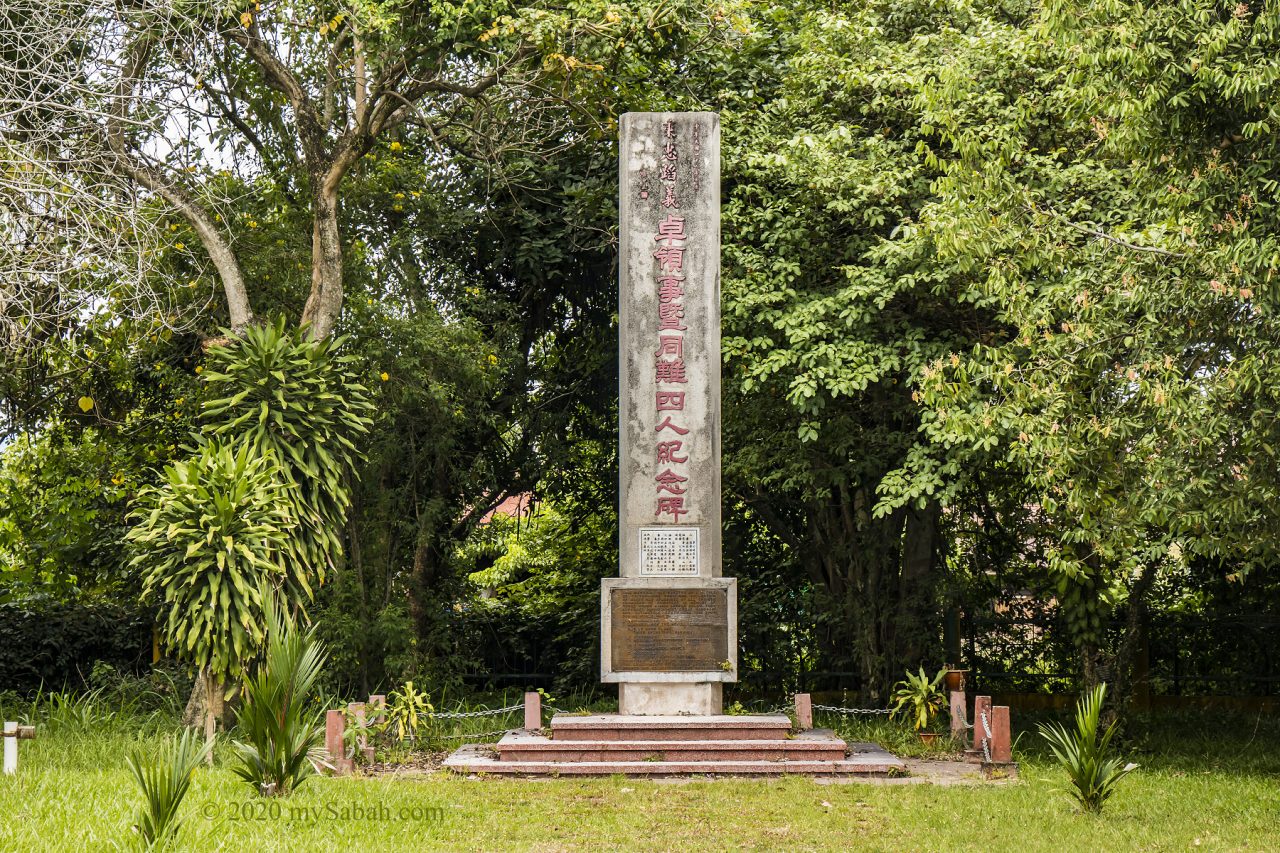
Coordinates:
324 304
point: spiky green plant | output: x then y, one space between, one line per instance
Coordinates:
205 537
164 780
293 399
281 726
406 709
919 698
1086 757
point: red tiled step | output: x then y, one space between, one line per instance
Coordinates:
600 727
819 745
478 759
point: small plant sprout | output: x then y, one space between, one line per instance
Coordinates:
407 706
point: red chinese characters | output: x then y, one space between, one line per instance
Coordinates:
671 456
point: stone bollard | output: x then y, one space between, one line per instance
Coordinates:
378 707
334 728
958 715
804 711
533 711
981 705
1001 736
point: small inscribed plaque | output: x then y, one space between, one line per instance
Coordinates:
669 630
668 551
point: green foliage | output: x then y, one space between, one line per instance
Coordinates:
1091 768
56 643
282 728
405 709
536 579
294 401
919 698
204 540
164 780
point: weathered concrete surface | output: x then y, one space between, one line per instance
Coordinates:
641 209
669 727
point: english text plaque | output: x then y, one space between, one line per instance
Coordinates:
672 630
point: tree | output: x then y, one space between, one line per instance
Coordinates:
204 541
833 304
1126 249
296 403
103 109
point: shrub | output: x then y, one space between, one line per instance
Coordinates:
1085 756
164 780
282 728
919 698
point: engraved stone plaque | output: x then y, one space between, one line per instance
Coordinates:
669 629
666 551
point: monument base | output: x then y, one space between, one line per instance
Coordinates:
700 699
648 745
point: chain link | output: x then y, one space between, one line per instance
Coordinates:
848 711
986 741
466 715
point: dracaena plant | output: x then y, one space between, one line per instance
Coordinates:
1087 757
204 539
295 400
919 698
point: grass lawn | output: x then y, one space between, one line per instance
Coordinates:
1205 782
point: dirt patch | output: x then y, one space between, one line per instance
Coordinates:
420 764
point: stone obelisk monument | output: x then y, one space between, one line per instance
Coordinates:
669 621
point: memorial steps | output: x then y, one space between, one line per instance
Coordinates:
611 744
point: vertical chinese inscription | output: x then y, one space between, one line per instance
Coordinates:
670 330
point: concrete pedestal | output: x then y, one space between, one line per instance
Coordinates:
699 700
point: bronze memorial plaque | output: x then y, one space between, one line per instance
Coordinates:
669 630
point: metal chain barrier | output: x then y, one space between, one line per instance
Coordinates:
986 741
466 715
836 709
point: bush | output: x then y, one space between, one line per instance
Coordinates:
283 730
164 780
55 644
1093 771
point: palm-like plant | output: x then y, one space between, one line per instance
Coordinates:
282 728
295 400
205 538
164 781
1085 756
919 698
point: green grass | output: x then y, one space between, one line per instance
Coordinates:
1205 781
